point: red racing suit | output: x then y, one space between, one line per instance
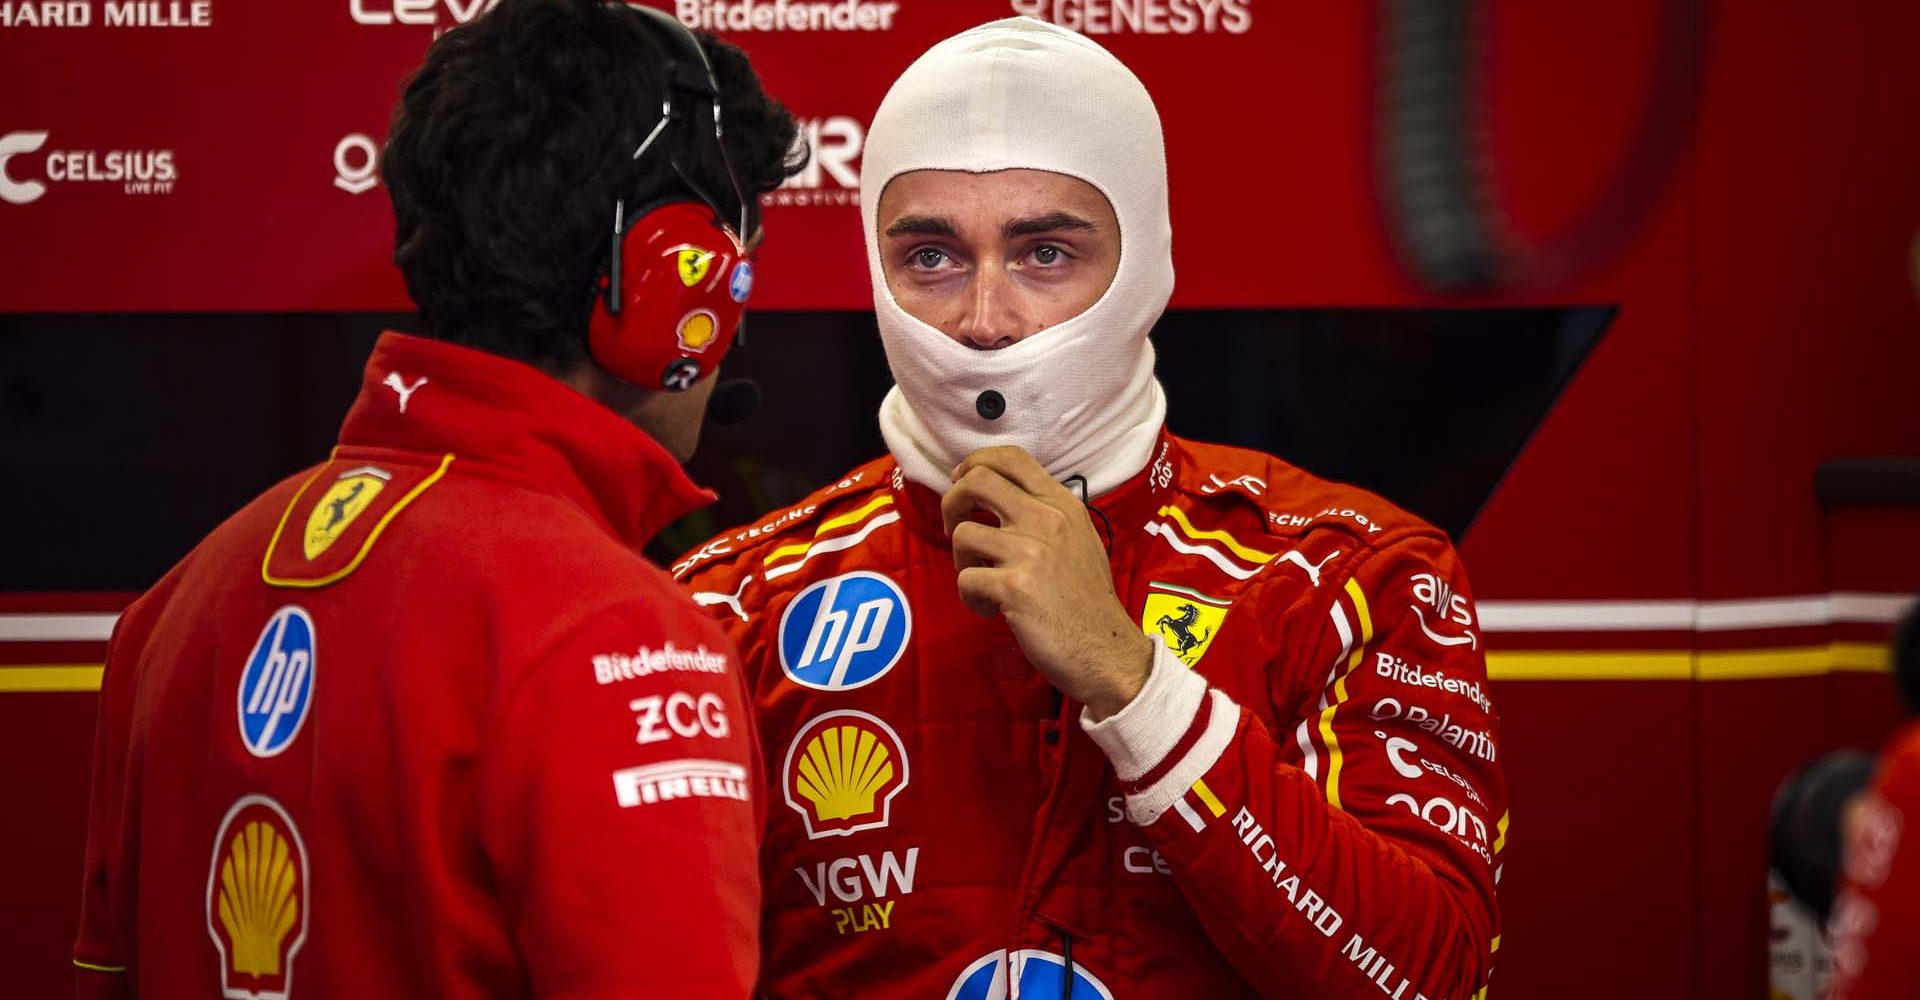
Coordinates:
420 722
1876 914
1305 801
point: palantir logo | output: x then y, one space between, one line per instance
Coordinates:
356 163
845 633
276 688
14 144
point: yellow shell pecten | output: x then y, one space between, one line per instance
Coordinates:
841 771
259 898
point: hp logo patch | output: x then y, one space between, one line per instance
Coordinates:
276 689
1038 975
740 284
844 633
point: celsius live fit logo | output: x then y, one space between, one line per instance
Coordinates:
276 688
844 633
27 168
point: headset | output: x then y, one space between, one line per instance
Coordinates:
669 304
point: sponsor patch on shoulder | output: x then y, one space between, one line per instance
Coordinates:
336 517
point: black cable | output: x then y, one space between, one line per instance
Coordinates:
1106 539
1066 958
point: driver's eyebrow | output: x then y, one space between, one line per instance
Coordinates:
922 225
1052 222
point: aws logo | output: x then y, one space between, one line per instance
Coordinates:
1035 975
841 773
1447 606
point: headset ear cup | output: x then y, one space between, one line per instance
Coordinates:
683 285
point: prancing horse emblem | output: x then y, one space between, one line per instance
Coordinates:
338 505
1181 629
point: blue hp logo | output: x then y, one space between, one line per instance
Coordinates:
276 689
844 633
1039 975
740 285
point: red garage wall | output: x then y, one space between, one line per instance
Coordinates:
1767 322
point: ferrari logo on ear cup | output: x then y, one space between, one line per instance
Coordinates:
697 329
693 264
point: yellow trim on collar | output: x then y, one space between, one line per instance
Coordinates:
366 547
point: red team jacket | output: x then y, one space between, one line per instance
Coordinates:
1306 801
1876 915
419 722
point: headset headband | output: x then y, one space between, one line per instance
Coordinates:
689 70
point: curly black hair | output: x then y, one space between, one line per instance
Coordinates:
511 143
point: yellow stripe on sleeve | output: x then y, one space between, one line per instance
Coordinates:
1206 795
1334 758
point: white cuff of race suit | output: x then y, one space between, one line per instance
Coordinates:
1166 738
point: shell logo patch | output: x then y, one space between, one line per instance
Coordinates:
257 899
697 330
841 773
343 502
1186 620
692 263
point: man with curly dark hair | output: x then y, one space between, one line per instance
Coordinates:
420 721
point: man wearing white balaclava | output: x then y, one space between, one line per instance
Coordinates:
1056 703
1079 396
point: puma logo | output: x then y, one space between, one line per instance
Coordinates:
401 388
1313 569
707 598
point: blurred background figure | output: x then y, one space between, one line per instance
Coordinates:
1875 923
1846 858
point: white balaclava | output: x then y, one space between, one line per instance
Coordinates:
1081 396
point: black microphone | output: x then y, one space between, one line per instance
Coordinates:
733 400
